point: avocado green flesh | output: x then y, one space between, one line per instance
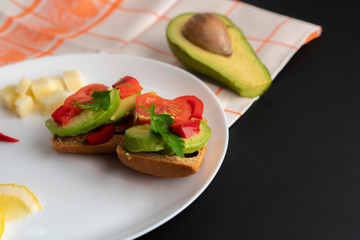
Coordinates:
199 140
243 72
127 105
140 139
86 120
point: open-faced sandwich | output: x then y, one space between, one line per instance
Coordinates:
91 120
169 139
150 134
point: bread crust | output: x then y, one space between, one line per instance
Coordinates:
170 166
79 144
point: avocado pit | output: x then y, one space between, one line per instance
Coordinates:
207 31
243 71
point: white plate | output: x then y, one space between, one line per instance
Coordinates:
96 197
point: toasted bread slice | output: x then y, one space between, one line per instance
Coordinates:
79 144
159 165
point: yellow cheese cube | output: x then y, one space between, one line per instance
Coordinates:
8 96
73 80
24 105
41 87
52 101
58 83
23 87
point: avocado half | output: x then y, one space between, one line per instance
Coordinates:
242 71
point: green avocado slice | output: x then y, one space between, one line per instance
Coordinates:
199 140
126 106
242 71
86 120
140 139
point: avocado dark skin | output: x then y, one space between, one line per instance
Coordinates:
241 71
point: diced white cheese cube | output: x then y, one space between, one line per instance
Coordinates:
41 87
52 101
8 96
24 105
58 83
73 80
24 86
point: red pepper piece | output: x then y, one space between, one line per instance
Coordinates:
102 136
6 138
197 106
127 91
186 129
65 113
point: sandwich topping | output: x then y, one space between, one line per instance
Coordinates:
168 126
93 108
160 124
164 126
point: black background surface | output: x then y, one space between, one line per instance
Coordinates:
292 170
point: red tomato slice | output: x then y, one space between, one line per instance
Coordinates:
179 110
102 136
83 95
186 128
127 91
197 106
65 113
68 110
146 100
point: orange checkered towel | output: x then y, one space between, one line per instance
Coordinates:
32 29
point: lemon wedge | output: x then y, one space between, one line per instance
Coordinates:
2 223
16 201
